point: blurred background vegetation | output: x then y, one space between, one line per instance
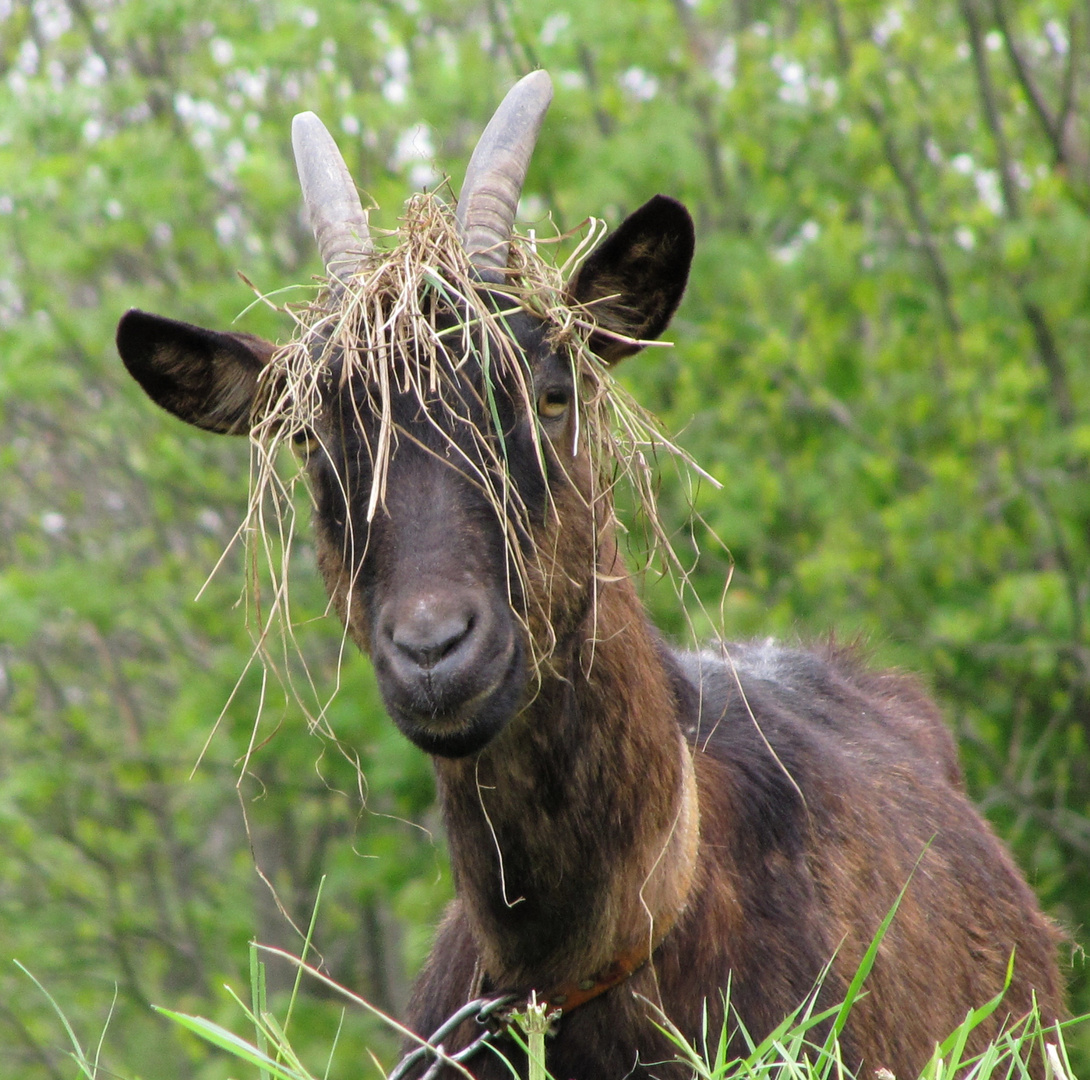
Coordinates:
884 356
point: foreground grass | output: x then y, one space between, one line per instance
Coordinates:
793 1051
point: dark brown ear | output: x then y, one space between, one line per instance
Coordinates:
633 281
205 377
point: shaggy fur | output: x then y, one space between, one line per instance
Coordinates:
788 877
764 806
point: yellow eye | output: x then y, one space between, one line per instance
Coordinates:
553 403
304 443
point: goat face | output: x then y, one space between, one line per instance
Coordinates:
436 575
478 553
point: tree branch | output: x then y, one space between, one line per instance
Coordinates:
918 215
1070 80
1047 348
840 36
877 116
1007 179
1025 78
701 51
1058 127
590 69
1053 362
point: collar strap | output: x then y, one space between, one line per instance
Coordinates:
571 995
561 1000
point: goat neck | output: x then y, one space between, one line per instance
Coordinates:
574 834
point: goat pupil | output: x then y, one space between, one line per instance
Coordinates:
553 402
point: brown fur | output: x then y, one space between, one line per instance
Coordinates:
766 919
765 805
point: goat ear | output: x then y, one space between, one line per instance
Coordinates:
205 377
633 281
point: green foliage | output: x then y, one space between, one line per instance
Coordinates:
883 356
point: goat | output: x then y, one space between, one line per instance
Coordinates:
632 828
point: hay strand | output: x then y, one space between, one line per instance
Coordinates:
388 331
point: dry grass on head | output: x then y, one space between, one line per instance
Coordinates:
382 326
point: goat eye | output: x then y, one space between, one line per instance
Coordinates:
304 443
553 403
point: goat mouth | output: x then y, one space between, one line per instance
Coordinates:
458 728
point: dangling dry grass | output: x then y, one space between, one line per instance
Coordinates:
388 328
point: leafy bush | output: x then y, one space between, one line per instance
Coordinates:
883 356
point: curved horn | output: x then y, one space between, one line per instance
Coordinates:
490 193
333 204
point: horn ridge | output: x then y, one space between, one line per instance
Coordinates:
497 169
333 205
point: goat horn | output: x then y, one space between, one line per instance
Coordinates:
490 193
333 204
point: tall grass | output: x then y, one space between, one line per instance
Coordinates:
795 1050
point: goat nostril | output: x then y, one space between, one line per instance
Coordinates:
426 639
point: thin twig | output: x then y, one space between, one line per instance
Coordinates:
1007 180
1053 362
918 215
1029 85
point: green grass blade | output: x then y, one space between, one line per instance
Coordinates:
333 1047
257 995
303 955
77 1054
233 1044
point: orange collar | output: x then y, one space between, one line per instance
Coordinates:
571 995
562 999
